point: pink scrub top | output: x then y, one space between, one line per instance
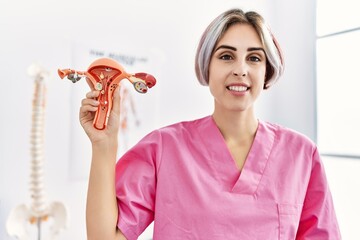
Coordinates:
184 178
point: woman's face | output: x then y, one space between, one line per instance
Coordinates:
237 69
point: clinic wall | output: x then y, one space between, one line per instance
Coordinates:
43 31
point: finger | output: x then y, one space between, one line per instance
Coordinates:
87 113
116 101
93 94
90 102
90 83
86 109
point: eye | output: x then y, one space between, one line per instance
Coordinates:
226 57
254 59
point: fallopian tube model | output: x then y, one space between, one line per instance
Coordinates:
105 75
23 217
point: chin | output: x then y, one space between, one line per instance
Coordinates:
239 109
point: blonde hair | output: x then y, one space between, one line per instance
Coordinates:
218 27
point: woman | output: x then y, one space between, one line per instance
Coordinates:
224 176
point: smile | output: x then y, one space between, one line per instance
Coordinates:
237 88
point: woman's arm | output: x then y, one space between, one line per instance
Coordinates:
101 208
318 218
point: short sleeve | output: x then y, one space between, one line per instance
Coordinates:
136 185
318 219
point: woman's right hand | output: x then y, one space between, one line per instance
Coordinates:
101 206
89 106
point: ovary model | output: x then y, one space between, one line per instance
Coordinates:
105 75
23 217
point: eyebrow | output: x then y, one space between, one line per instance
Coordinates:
251 49
256 49
226 47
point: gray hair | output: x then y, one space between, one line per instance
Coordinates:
218 27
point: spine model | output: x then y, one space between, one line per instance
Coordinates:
37 192
23 217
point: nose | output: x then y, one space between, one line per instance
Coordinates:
240 69
237 74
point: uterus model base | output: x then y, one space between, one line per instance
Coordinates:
23 217
105 75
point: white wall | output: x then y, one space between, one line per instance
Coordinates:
44 31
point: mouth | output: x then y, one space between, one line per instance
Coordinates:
238 88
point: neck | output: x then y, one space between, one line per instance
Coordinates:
236 126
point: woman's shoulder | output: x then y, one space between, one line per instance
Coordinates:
288 135
175 130
183 126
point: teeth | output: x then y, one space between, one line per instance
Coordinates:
237 88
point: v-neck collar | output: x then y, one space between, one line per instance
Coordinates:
256 160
